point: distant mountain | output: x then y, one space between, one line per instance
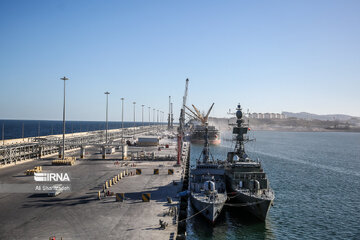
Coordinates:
330 117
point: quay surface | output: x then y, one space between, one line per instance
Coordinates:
79 214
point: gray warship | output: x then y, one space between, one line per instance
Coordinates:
246 181
207 181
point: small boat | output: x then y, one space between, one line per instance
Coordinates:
208 190
207 181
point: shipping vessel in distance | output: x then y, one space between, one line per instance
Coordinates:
246 181
198 133
196 126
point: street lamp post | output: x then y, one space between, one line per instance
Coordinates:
63 143
142 115
134 118
106 131
153 116
161 117
122 118
157 119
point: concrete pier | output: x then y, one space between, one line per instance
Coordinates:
84 213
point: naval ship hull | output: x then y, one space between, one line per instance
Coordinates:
212 211
256 206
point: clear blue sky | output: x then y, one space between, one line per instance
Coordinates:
270 56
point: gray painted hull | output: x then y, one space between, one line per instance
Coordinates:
258 207
212 211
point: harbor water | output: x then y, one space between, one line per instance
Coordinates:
34 128
316 179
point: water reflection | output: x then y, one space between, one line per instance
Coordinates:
233 223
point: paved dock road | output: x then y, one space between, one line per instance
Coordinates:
79 214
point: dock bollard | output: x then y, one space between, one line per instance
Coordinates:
127 172
110 183
120 175
99 197
146 197
106 185
120 197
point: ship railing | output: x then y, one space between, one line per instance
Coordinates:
264 193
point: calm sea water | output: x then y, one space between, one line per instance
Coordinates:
33 128
316 179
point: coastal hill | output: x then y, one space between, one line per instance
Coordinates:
302 122
330 117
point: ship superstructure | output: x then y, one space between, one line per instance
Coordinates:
246 180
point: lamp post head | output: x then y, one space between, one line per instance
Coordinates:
64 78
106 93
122 98
134 102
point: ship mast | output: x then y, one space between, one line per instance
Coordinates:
206 144
239 130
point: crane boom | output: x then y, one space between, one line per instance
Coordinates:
180 137
182 113
186 92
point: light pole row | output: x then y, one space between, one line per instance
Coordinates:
107 124
142 116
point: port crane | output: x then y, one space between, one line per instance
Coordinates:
180 138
